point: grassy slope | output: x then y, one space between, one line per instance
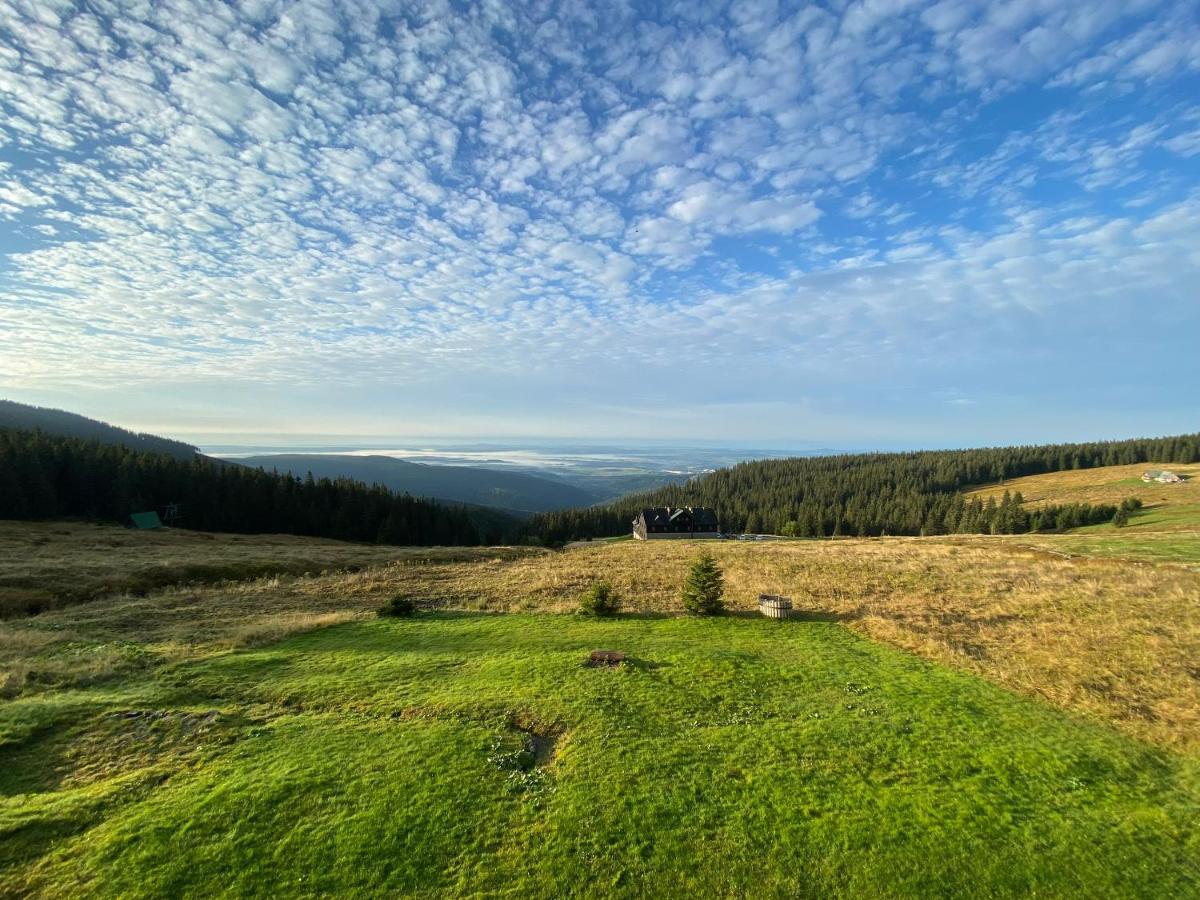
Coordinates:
49 564
1112 641
731 757
1167 507
1166 529
381 755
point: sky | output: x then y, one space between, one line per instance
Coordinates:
868 223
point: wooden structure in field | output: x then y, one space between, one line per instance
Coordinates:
663 522
774 607
605 659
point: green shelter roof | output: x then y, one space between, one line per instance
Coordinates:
146 520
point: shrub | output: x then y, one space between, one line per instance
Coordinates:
399 606
600 600
703 588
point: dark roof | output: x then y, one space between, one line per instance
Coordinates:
701 518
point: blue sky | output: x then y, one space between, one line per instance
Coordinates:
879 222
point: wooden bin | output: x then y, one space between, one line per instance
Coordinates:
774 607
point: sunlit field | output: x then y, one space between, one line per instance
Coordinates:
947 716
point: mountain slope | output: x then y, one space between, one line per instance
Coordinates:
872 494
45 476
1165 507
61 423
486 487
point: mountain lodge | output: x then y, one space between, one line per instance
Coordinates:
654 523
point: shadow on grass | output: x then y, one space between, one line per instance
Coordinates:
798 615
645 665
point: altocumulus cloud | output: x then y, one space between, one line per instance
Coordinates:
844 202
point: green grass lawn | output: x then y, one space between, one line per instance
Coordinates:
460 754
1109 542
1154 534
1156 518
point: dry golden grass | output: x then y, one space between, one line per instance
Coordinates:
49 564
1106 639
86 643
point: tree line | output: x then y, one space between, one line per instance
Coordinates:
46 476
872 494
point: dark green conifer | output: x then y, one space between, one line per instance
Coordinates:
703 589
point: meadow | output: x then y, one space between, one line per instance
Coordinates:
958 716
1166 507
53 564
467 752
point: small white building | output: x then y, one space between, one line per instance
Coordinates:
1162 476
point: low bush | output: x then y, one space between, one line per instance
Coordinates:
600 600
399 606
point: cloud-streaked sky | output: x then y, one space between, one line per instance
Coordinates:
875 221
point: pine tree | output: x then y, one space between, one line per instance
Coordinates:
704 586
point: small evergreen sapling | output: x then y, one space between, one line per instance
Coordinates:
703 588
600 600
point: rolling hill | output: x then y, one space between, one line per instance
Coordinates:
44 476
514 491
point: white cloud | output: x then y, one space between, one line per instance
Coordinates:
1187 144
332 193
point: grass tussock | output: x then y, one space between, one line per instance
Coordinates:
276 627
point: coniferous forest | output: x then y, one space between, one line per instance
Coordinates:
22 417
44 476
919 493
873 494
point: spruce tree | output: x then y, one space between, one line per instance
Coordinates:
703 588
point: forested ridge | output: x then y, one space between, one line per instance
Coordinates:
46 476
22 416
873 494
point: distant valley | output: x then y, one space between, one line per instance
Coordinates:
513 491
538 476
518 479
